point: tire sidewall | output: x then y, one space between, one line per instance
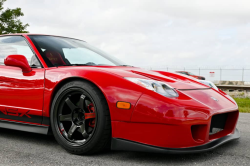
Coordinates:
97 134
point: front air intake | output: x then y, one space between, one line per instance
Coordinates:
218 123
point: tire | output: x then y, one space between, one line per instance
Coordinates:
81 126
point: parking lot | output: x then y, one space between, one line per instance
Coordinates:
21 148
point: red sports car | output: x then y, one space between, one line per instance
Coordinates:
191 75
91 100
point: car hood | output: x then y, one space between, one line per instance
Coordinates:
211 99
175 80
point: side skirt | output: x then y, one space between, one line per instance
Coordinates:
24 127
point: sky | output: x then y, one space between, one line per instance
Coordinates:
150 33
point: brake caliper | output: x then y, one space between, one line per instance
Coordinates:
91 109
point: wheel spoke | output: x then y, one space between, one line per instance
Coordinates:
77 114
89 115
70 104
72 130
67 117
82 130
82 102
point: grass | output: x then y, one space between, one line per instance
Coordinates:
244 104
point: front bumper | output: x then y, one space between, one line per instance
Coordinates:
121 144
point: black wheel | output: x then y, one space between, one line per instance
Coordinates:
80 119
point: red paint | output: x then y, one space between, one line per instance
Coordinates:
18 61
89 115
152 119
20 91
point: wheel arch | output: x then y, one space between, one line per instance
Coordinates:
104 129
69 79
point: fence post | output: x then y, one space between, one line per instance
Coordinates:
220 74
243 74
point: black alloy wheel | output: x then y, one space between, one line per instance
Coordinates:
80 118
76 117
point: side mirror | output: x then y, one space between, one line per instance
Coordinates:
18 61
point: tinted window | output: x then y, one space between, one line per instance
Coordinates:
10 45
59 51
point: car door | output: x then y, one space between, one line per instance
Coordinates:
21 94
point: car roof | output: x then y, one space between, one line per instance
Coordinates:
29 34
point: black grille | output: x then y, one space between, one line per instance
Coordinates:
218 123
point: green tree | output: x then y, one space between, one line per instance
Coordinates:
9 22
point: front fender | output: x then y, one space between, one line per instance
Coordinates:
115 88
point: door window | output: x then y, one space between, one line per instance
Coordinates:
10 45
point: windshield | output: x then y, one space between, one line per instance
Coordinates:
190 73
60 51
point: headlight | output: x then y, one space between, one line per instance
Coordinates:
208 83
157 86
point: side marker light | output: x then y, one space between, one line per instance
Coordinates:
123 105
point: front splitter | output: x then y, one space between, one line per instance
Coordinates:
125 145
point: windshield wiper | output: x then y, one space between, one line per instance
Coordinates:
78 64
126 65
92 64
75 64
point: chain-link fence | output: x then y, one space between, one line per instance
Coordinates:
213 74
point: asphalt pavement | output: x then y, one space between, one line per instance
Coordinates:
21 148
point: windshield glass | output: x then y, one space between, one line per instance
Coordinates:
190 73
60 51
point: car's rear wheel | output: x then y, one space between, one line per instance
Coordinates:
80 118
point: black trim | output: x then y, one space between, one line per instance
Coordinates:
46 60
28 43
46 121
24 118
24 127
195 89
121 144
53 36
218 121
